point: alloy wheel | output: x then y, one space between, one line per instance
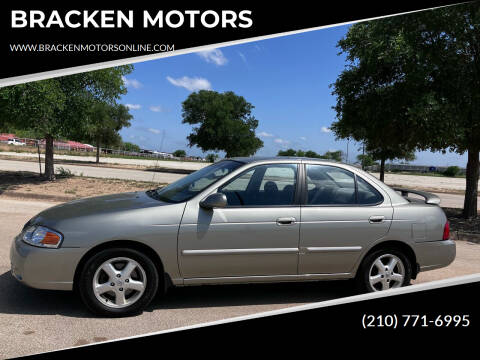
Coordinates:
119 282
386 272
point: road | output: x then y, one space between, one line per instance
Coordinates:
94 171
170 164
37 320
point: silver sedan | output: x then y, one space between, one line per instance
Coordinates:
240 220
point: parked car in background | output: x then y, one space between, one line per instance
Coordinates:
16 142
240 220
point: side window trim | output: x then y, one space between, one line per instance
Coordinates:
297 200
304 191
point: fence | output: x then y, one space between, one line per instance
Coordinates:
76 147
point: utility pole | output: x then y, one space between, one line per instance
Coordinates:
363 155
39 160
348 142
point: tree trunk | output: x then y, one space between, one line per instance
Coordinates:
382 170
98 151
49 168
471 191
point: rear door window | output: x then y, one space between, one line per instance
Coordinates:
367 194
330 185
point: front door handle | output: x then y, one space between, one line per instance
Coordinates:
286 221
376 218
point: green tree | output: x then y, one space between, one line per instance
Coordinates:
312 154
104 121
211 157
56 108
223 122
366 160
332 155
180 153
288 152
128 146
422 73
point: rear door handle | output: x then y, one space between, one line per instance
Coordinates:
286 221
376 218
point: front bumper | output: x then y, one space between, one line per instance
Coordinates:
435 254
44 268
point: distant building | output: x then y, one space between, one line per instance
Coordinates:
5 137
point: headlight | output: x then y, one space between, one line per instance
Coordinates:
42 237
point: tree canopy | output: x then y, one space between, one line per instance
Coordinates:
413 82
128 146
222 122
329 155
103 123
179 153
59 107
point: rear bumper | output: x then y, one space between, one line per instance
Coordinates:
42 268
435 254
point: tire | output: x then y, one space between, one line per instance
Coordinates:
118 282
371 278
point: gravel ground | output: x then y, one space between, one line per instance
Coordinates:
30 186
431 183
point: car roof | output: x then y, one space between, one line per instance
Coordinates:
254 159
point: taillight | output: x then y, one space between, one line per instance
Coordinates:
446 231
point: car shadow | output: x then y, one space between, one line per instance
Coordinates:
17 298
253 294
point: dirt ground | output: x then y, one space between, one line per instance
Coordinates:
457 222
65 188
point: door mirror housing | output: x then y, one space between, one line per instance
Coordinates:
216 200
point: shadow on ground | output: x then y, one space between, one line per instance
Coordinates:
16 298
12 180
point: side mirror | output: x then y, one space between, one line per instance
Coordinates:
217 200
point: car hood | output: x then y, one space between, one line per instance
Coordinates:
106 204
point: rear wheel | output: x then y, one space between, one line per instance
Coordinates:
118 282
384 269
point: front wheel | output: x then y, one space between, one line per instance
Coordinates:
384 269
118 282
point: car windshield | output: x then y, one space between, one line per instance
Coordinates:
191 185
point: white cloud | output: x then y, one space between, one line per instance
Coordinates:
156 108
281 141
303 138
265 134
133 106
213 56
191 84
154 131
132 83
325 129
242 56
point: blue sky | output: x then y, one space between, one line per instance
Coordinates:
286 79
